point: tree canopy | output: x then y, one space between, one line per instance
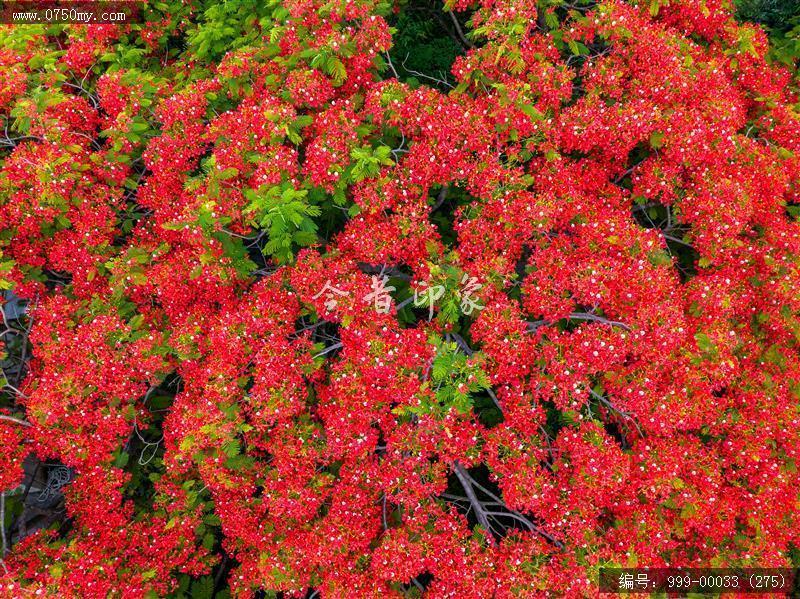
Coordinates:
369 299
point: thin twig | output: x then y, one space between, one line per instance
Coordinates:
614 408
329 349
424 76
391 66
3 523
676 240
15 390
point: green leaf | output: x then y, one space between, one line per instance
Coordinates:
228 173
335 68
202 588
655 6
704 343
657 139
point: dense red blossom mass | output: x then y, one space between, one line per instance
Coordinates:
599 211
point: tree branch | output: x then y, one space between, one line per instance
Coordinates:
3 524
459 32
466 482
509 512
15 420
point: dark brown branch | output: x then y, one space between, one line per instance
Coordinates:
15 420
466 482
460 32
531 526
440 198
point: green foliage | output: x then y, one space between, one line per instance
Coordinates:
227 26
781 19
235 249
198 588
774 14
706 346
421 43
5 267
786 46
368 161
455 378
286 215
